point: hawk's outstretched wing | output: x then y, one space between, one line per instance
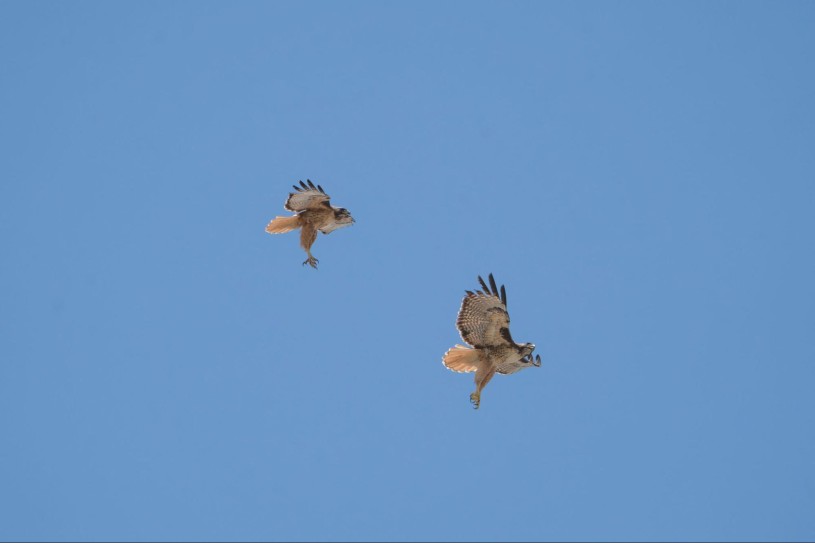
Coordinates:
513 366
331 226
309 196
483 320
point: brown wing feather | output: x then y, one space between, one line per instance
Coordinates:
307 196
515 365
512 366
483 320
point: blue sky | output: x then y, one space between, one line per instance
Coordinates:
639 175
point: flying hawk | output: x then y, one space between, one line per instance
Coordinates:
313 213
483 322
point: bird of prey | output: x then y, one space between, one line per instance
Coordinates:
483 322
313 213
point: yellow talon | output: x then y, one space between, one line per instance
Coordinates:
475 399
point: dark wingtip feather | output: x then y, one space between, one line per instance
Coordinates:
469 293
504 295
493 285
320 189
310 184
483 285
303 184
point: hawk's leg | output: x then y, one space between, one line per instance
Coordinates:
311 261
307 236
481 379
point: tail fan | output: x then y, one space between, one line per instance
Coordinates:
281 225
462 359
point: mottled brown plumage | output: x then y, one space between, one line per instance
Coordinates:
313 213
483 322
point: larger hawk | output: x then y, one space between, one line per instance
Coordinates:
483 322
313 213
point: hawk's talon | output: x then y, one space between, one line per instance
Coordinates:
475 399
311 261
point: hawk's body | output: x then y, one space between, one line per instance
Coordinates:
483 322
313 213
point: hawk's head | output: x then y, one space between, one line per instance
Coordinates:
526 349
526 354
343 217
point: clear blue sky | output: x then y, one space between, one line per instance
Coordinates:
639 175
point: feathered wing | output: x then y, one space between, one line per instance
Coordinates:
483 320
307 196
512 366
462 359
331 226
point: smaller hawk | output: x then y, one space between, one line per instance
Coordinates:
483 323
313 213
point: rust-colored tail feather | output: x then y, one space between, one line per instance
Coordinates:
462 359
281 225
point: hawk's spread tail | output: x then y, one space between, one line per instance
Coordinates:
462 359
281 225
